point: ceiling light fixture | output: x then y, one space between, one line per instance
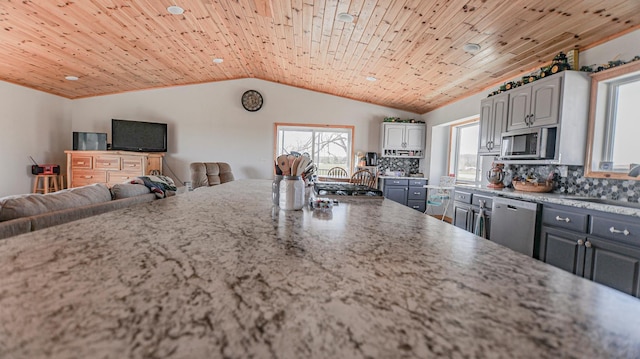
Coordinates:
218 61
344 17
175 10
371 78
470 47
71 78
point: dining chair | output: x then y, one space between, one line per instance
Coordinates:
338 172
364 177
440 195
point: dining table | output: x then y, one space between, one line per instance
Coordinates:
222 272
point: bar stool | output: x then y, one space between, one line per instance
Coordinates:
49 184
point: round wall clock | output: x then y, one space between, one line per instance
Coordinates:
252 100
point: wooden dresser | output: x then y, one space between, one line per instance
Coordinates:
109 167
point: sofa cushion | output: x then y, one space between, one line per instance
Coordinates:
50 219
14 227
126 190
33 204
210 173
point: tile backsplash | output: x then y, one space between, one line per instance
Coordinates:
409 165
576 184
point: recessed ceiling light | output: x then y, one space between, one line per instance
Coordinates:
471 47
344 17
371 78
71 78
218 61
175 10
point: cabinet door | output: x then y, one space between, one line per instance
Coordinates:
545 102
562 249
519 104
486 122
393 136
462 216
612 264
414 137
397 194
499 121
475 215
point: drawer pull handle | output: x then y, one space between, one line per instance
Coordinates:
614 230
88 177
416 193
560 219
80 162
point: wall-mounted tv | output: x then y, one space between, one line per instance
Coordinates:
138 136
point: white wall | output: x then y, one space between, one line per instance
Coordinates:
32 123
208 123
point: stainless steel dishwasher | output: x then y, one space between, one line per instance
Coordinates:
513 224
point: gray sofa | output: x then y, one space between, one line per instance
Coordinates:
30 212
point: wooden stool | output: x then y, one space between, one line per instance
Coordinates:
49 184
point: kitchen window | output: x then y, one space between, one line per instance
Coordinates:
328 145
463 155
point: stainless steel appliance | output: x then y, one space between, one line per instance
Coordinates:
530 143
513 224
371 159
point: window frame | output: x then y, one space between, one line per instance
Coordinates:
453 155
350 128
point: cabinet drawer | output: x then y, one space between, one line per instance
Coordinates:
121 176
82 178
417 193
107 162
561 218
488 201
417 205
81 161
460 196
615 229
132 165
417 182
396 182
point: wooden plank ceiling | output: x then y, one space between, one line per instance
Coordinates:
413 47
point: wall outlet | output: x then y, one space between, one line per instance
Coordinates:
564 171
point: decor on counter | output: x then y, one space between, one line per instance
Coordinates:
291 174
540 187
495 175
397 119
252 100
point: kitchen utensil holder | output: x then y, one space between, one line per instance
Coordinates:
291 193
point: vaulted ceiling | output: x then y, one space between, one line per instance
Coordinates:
414 48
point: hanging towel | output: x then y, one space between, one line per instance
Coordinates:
480 229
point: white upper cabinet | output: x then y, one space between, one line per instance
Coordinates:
403 139
535 104
493 119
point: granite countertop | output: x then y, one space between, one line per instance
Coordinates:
555 198
219 272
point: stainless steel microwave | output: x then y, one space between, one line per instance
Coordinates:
530 143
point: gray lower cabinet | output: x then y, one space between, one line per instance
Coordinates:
598 246
466 210
408 192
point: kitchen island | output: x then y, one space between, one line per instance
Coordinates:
219 272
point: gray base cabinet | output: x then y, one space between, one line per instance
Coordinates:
466 210
604 248
408 192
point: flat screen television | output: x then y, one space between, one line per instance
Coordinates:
89 141
138 136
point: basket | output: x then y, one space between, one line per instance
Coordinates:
533 187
